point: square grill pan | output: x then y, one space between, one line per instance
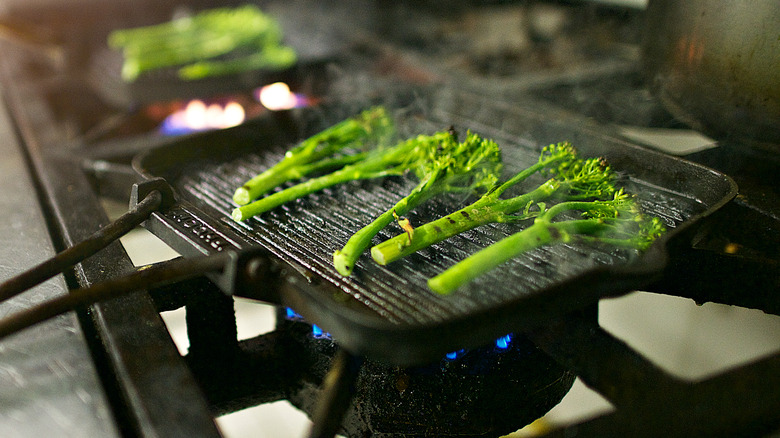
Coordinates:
388 313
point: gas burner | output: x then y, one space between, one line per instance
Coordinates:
488 391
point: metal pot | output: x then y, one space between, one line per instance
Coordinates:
715 64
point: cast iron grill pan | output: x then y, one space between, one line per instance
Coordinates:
388 311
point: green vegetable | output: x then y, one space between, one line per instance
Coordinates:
203 39
269 58
319 152
616 222
377 163
572 178
442 164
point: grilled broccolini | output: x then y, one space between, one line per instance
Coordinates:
322 151
571 178
616 222
442 164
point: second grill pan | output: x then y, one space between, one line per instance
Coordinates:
388 313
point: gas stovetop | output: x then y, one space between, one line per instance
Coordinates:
70 147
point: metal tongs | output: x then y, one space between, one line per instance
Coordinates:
229 270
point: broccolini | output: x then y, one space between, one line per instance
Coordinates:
408 155
442 164
572 178
371 127
616 222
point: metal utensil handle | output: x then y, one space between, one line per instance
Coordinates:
163 273
156 198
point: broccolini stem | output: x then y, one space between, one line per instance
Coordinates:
344 259
192 50
210 18
519 177
332 163
206 35
300 190
535 236
264 182
488 209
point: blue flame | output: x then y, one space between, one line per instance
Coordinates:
504 342
291 314
318 333
455 354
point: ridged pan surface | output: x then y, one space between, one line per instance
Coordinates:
205 170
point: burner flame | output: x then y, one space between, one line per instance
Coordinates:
504 342
278 96
455 354
198 116
318 333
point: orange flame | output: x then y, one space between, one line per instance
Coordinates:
278 96
198 116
